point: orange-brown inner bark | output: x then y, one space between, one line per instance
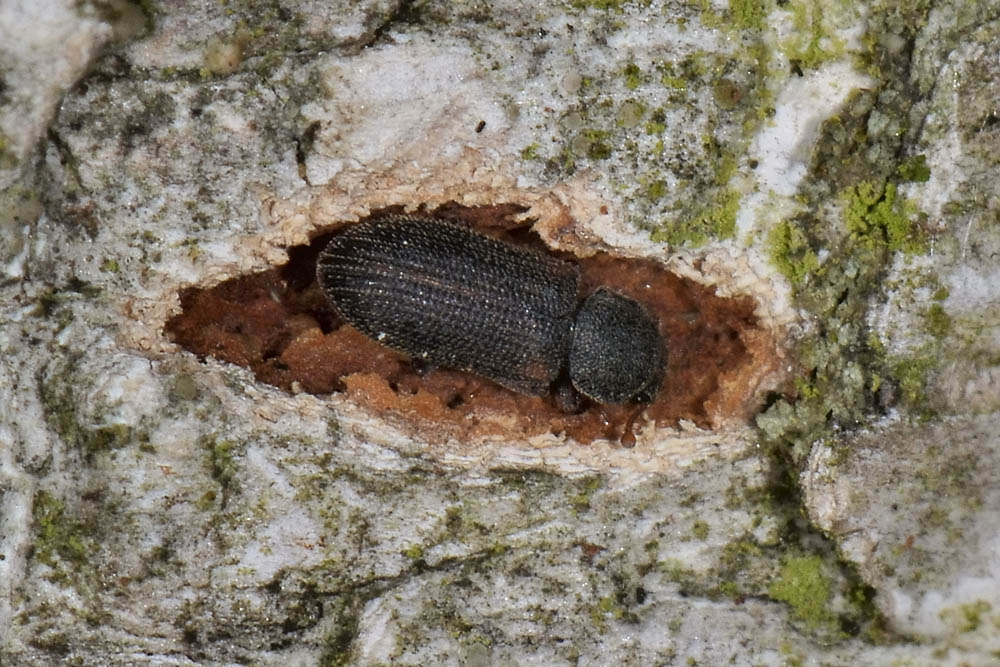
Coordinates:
278 324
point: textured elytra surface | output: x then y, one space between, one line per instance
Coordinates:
454 298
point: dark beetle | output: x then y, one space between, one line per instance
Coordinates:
452 297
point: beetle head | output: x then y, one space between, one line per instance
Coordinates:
617 353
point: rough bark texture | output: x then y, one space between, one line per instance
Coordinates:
833 163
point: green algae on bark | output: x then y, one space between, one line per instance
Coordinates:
804 586
847 381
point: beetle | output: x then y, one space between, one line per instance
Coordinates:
449 296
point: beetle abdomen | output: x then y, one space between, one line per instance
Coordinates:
454 298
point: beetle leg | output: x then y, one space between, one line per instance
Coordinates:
421 366
627 438
566 397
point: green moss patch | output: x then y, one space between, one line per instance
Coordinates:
804 587
810 46
937 321
748 14
529 152
876 216
221 459
632 76
791 253
967 617
915 169
715 222
60 541
911 375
